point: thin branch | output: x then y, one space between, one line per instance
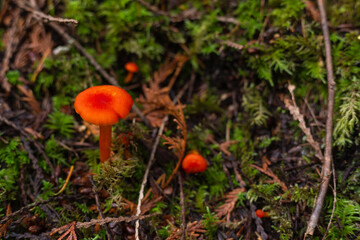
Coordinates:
43 16
112 220
326 168
334 201
151 160
182 204
98 206
295 112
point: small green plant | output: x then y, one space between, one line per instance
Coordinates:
288 11
266 141
113 177
210 223
200 197
164 232
346 220
204 104
55 152
13 76
61 123
266 191
216 178
349 110
12 158
304 195
254 105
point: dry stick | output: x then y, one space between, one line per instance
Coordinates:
151 160
326 168
98 206
112 220
42 15
182 204
295 112
96 65
334 202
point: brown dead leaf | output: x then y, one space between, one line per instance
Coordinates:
314 12
3 227
70 231
193 229
40 64
30 98
91 129
230 201
34 133
295 112
225 146
149 204
34 48
156 98
266 170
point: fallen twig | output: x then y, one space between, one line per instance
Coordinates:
112 220
182 205
41 15
151 160
98 206
295 112
326 168
334 201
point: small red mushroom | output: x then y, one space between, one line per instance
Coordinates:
260 213
132 68
194 162
103 106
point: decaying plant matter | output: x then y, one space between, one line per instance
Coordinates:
248 85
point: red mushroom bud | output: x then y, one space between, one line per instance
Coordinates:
103 105
132 68
194 162
260 213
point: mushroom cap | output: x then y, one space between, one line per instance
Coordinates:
193 163
103 105
131 67
260 213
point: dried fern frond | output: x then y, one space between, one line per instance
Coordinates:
230 201
158 104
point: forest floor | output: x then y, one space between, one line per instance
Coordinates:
248 85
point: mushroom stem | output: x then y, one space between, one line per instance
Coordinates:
105 142
128 77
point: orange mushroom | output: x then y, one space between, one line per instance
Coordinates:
103 106
194 162
132 68
260 213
